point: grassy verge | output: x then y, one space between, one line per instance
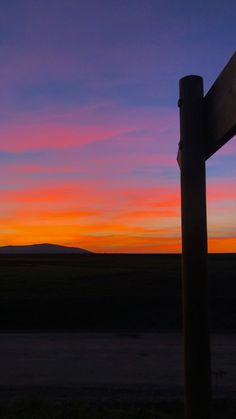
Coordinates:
224 409
80 410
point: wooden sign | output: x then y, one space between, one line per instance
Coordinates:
206 124
220 109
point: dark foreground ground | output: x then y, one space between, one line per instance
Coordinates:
99 292
109 293
37 409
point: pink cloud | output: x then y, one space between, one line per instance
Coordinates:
87 125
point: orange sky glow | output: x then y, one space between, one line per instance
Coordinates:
89 123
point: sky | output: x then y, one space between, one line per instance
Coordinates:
89 123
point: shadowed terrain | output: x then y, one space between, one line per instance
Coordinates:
106 291
39 249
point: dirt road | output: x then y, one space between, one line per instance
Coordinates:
110 365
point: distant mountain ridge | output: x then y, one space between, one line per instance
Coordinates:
43 248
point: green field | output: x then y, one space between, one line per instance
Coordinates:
98 292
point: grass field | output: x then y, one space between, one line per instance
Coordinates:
107 292
78 410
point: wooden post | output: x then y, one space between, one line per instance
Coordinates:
194 250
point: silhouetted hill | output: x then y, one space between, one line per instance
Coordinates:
44 248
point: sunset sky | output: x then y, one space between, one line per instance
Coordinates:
89 124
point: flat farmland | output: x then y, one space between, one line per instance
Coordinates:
107 291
